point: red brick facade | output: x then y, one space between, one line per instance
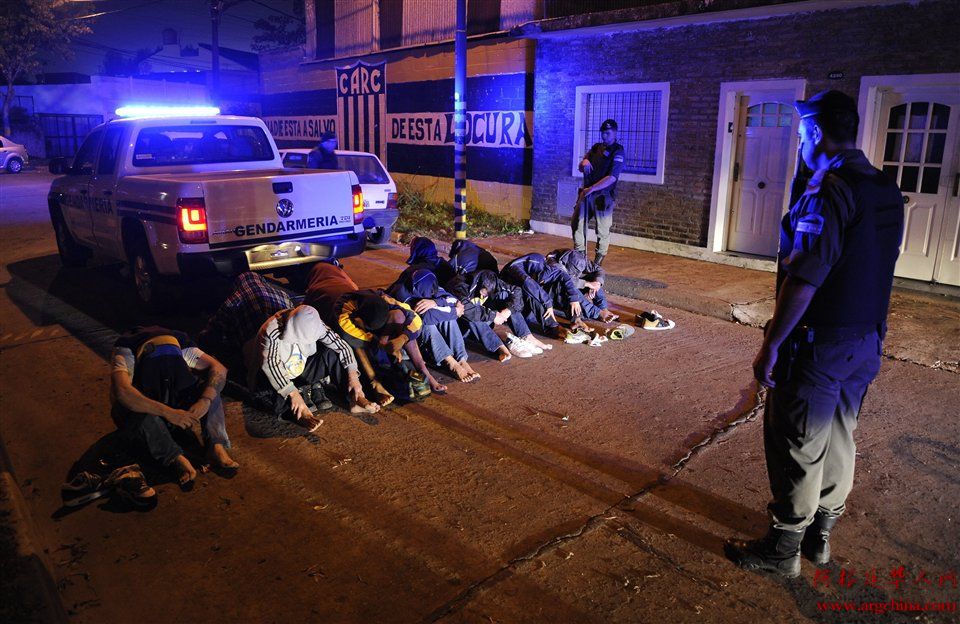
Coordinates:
908 38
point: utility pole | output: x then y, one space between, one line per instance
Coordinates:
217 7
460 123
216 10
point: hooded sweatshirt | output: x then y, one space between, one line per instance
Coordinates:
415 284
539 278
466 258
423 255
577 266
288 339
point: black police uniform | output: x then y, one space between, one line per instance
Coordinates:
843 237
606 160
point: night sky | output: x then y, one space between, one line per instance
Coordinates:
129 25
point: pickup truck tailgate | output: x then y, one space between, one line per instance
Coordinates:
278 206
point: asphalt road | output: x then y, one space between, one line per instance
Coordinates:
584 485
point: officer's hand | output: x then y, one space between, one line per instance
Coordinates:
460 309
593 286
763 365
585 166
549 315
501 316
576 310
423 305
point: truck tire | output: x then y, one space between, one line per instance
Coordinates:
71 253
145 277
379 235
14 165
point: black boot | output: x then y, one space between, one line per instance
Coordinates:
778 552
319 398
598 259
816 541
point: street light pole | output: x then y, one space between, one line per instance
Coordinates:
460 123
216 10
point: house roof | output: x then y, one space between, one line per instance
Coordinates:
674 13
250 60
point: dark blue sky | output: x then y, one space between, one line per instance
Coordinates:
130 25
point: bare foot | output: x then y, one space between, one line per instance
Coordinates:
187 473
538 343
474 375
459 371
219 456
363 406
384 398
503 353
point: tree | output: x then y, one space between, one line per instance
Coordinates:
282 30
29 28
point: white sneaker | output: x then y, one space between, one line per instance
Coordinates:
518 347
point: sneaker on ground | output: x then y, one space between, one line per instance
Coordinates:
519 347
577 337
653 321
319 397
83 488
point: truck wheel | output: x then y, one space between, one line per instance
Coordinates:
14 165
70 252
379 235
155 293
145 278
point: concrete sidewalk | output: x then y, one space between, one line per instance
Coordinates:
924 328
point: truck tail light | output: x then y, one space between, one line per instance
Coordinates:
391 201
357 204
192 220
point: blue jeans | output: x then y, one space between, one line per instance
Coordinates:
481 332
442 341
155 436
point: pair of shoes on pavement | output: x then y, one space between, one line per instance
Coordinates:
521 348
591 338
126 482
654 321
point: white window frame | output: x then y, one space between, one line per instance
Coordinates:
579 148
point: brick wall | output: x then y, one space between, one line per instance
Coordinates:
915 38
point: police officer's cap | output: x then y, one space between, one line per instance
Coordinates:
826 102
609 124
327 136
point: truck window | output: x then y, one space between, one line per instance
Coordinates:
109 150
87 156
368 169
164 146
295 159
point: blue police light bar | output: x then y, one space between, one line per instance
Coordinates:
166 111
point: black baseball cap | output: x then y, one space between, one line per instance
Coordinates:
326 136
825 102
609 124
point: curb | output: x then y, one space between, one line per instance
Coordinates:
33 571
754 314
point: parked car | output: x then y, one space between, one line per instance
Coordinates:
13 156
193 195
379 189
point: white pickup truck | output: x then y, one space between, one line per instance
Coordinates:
197 195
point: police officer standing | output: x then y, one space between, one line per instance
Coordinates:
601 168
821 350
323 155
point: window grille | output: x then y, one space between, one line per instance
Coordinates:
640 112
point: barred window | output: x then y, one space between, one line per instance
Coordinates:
640 111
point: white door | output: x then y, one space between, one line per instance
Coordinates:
765 128
917 146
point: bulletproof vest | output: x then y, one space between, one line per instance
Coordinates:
857 290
